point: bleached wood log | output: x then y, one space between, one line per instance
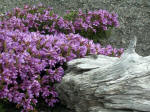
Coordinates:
108 84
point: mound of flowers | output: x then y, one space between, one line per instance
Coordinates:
36 19
92 25
36 44
30 64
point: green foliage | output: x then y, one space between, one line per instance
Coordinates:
6 106
96 37
71 16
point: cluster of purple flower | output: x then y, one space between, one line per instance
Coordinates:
95 20
36 19
24 55
45 21
31 63
93 24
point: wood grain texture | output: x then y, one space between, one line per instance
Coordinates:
108 84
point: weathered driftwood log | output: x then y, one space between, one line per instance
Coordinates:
108 84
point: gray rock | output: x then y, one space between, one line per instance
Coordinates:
107 84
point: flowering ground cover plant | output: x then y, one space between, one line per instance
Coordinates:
93 24
30 63
34 19
35 45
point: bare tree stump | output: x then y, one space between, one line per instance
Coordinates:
107 84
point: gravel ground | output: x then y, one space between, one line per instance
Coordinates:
6 5
58 5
